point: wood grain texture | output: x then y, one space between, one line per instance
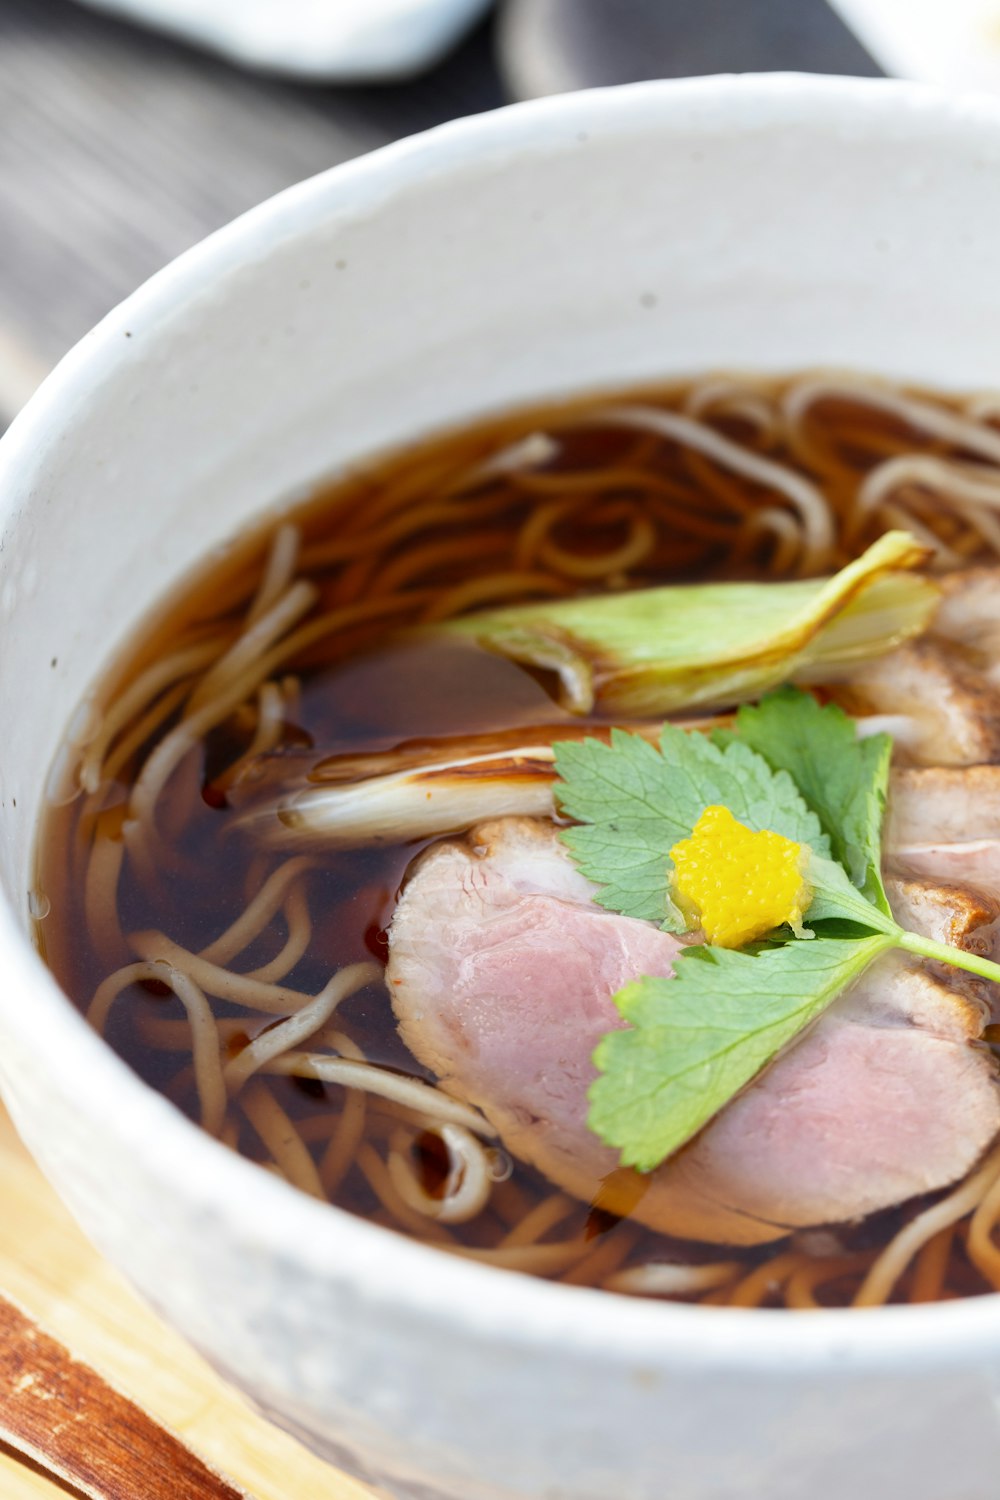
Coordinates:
50 1270
119 149
60 1412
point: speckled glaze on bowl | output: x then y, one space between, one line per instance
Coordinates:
771 222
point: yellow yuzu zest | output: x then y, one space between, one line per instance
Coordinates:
738 885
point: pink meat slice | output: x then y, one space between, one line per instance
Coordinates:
502 969
951 707
943 804
944 824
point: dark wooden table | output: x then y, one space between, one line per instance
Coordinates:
120 148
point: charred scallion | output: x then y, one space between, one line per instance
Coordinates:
658 651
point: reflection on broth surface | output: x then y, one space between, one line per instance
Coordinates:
225 920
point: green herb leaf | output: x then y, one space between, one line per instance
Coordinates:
843 778
629 818
835 898
634 803
696 1040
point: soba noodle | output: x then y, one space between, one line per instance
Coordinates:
725 477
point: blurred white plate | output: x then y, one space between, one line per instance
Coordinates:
344 40
952 42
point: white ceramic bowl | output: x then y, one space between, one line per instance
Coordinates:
554 247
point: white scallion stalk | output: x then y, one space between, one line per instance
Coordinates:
397 796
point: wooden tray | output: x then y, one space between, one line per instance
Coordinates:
55 1275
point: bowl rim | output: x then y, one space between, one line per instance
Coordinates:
389 1270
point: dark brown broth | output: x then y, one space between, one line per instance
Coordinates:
368 692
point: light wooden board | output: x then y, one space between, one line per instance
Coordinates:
50 1269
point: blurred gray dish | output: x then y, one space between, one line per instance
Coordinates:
346 41
552 46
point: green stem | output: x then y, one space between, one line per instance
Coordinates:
944 953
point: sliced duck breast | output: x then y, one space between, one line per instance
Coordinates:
502 970
943 825
969 614
976 863
943 805
951 711
958 915
953 914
